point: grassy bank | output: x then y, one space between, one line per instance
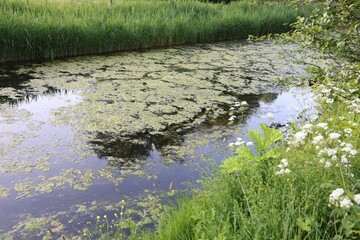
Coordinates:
306 187
47 29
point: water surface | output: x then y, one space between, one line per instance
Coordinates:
78 136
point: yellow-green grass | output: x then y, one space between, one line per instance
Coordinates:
40 29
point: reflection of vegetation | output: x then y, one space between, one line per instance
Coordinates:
15 88
269 97
124 150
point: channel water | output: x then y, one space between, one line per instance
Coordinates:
78 136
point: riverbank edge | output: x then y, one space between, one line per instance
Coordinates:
303 187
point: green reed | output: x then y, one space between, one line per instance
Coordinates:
40 29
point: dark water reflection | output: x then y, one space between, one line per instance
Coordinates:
78 136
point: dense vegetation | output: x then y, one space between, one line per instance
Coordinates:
47 29
302 186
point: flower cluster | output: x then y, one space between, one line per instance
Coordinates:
239 141
283 167
338 198
238 107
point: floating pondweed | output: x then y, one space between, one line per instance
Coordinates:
112 126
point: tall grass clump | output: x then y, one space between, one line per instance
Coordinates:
47 29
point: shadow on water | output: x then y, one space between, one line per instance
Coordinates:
21 91
127 149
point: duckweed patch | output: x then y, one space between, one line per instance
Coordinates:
4 192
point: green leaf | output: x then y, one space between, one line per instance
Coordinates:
304 225
270 137
270 134
231 165
271 154
256 137
245 153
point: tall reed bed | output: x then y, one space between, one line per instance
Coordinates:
47 29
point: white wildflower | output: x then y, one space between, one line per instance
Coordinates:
334 158
349 145
317 139
323 125
352 90
232 118
357 198
345 202
299 138
284 162
243 103
342 118
327 164
249 143
335 196
330 152
239 142
347 130
284 167
344 160
353 152
307 126
334 135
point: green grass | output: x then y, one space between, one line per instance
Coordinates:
40 29
250 201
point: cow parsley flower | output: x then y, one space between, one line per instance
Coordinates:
249 143
334 135
307 126
299 138
357 198
318 139
330 152
323 126
344 160
335 196
353 152
284 167
345 202
327 164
